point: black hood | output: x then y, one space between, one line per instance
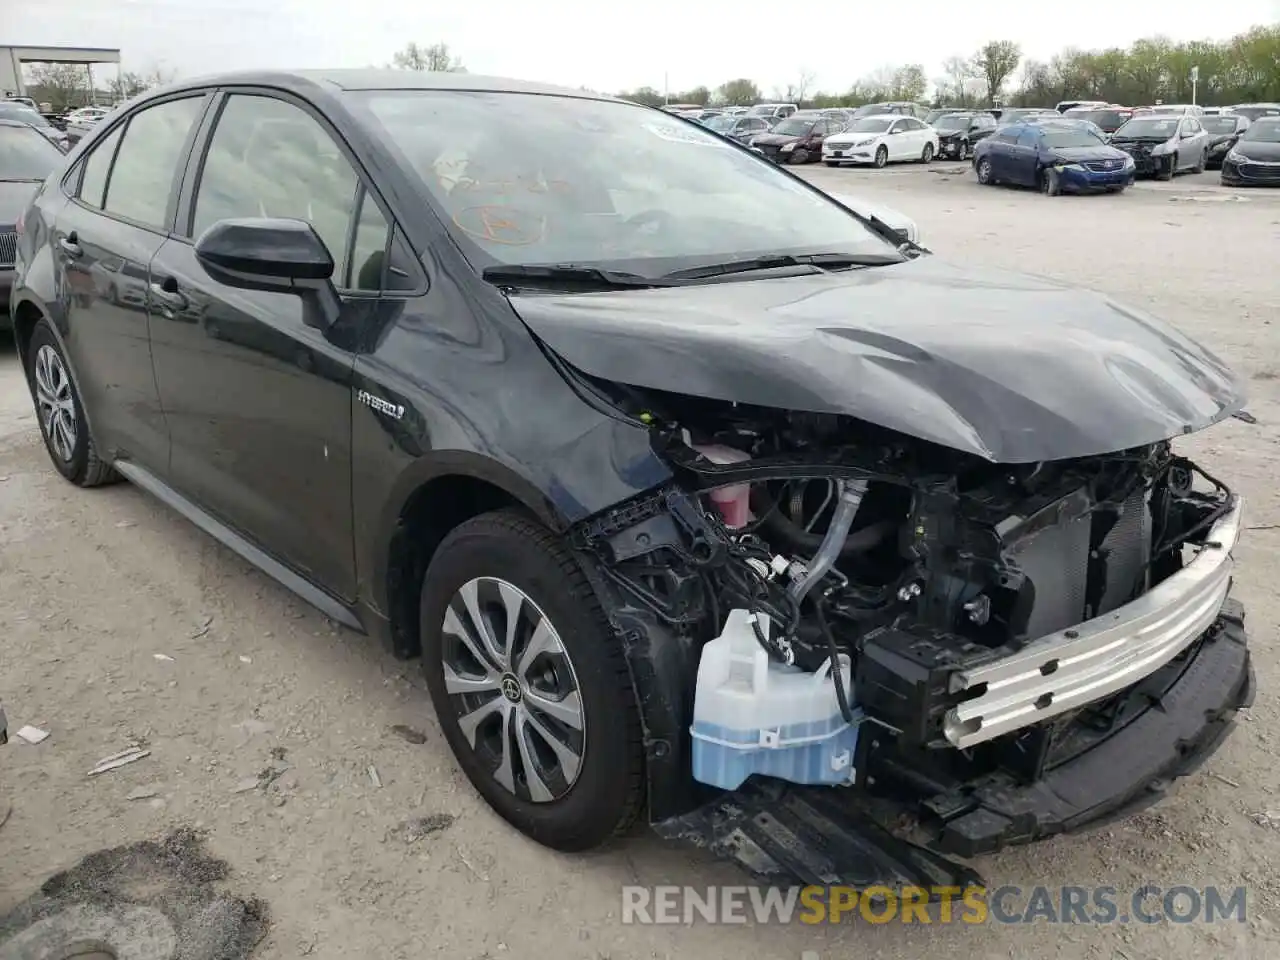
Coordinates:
14 197
1258 149
1014 369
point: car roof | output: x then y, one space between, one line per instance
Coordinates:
384 79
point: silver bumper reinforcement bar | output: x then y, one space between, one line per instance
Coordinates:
1070 668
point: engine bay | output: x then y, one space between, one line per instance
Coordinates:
914 564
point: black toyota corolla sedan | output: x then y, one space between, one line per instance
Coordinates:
632 435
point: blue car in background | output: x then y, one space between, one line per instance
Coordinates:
1055 158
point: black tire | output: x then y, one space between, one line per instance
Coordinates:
965 148
1048 182
983 170
84 466
926 155
1173 169
882 156
798 156
608 792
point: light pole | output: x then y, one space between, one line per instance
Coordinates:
1195 79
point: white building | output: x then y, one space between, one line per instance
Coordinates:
12 59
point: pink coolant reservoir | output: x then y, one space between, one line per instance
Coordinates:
733 502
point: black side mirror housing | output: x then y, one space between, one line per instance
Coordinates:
275 255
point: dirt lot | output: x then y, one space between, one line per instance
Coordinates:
94 585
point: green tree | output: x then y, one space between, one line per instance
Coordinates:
908 83
698 95
741 92
645 95
435 57
995 63
64 86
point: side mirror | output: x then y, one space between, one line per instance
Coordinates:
275 255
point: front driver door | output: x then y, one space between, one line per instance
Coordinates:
259 403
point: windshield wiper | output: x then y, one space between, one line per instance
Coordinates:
567 273
822 261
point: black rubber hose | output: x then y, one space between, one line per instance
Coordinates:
837 676
783 530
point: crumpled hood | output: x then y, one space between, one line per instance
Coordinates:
1014 369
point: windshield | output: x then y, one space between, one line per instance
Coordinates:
721 123
761 110
1222 124
870 109
1265 130
1065 137
1153 127
794 127
14 111
524 178
870 125
954 121
26 154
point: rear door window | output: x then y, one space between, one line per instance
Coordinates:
97 166
147 160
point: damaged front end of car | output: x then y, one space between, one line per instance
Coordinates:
996 652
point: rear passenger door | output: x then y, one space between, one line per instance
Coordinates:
123 193
259 403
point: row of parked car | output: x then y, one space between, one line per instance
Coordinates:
1077 145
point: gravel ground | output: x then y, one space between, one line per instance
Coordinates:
266 721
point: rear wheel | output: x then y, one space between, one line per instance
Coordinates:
60 412
882 156
530 683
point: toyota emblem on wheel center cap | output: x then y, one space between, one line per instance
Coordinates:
510 688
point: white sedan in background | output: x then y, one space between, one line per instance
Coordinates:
880 140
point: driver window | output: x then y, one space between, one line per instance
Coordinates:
268 158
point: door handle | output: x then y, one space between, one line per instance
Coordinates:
70 245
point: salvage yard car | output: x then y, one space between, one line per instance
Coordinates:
1255 158
1054 157
1163 145
701 497
959 132
880 140
1224 131
26 159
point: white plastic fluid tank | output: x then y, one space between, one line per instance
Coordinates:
753 715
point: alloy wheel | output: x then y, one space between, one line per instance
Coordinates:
55 403
514 689
984 172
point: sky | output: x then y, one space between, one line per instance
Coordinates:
680 43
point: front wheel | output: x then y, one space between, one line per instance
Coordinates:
530 683
984 171
1168 172
966 151
927 154
60 412
798 156
882 156
1203 163
1050 185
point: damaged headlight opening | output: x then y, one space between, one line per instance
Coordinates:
930 599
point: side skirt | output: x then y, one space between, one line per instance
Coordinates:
318 597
